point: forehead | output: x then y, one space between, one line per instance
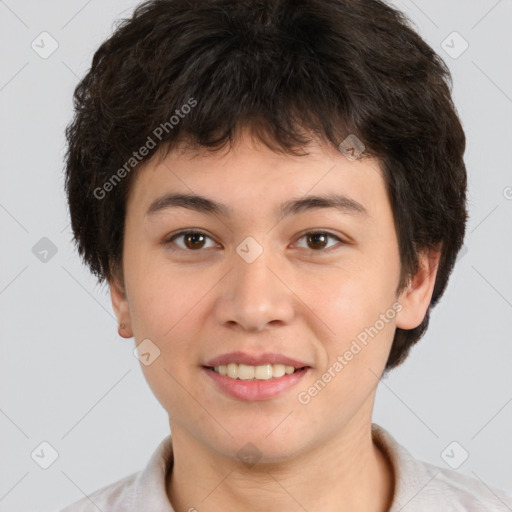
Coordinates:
253 177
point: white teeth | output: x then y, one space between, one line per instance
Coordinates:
247 372
232 370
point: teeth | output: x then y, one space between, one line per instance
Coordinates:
247 372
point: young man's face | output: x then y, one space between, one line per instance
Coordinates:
257 283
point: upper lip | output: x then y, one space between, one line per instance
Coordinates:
255 360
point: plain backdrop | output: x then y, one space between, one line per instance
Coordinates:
68 379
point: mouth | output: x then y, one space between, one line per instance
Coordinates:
254 383
245 376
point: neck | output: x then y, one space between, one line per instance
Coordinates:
348 472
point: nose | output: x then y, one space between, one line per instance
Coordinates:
255 294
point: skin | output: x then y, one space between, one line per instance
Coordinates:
306 299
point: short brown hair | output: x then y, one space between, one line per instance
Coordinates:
284 68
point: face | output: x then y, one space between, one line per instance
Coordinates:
314 283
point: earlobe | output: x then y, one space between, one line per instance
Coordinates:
121 309
416 297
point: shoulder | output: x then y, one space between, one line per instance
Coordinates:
111 498
136 492
421 487
460 492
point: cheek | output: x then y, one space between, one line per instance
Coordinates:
165 310
347 301
356 354
356 310
164 298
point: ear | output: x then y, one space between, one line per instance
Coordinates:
415 298
121 309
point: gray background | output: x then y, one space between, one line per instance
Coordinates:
67 378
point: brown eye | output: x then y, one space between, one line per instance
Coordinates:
193 240
317 240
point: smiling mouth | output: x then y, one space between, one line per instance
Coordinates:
260 372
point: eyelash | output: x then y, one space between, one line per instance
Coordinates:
170 240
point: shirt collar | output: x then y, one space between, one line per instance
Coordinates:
150 486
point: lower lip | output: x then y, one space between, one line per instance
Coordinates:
256 389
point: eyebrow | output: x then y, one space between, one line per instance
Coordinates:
205 205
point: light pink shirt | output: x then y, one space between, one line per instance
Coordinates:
419 486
